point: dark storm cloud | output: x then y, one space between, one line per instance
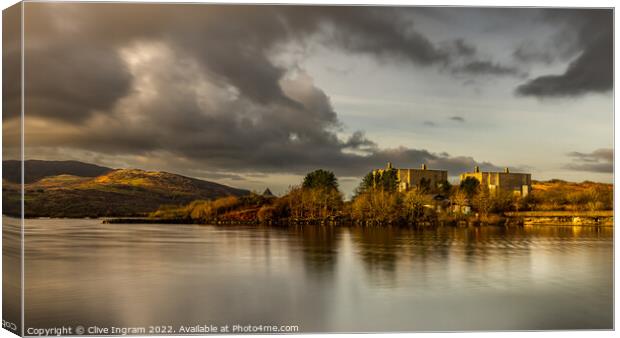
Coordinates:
219 176
486 68
457 119
198 83
600 160
464 48
603 154
238 51
74 68
458 48
464 59
414 158
529 53
11 63
73 86
359 141
385 32
592 70
562 45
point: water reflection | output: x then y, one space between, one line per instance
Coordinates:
378 250
11 273
320 278
319 245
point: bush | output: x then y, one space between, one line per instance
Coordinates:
266 213
314 203
378 206
413 205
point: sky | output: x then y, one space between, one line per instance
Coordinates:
255 96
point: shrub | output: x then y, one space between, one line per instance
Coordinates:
377 205
266 213
413 205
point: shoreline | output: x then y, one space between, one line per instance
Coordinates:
574 218
545 218
604 220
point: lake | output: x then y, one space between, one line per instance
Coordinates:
321 279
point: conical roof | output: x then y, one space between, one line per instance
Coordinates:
268 193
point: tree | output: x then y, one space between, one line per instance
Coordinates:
366 184
425 185
444 188
460 200
317 198
414 201
387 180
377 205
482 201
503 201
320 179
470 186
383 180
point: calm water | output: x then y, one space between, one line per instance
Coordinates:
320 278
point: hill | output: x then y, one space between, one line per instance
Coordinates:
35 170
558 195
120 192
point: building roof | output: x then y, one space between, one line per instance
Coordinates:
478 171
423 167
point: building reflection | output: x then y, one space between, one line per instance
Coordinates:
319 247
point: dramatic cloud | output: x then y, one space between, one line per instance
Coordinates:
383 32
486 68
208 87
592 70
561 46
11 64
528 52
75 70
209 123
93 79
600 160
412 158
187 83
358 141
463 48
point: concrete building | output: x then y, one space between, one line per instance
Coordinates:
411 178
517 183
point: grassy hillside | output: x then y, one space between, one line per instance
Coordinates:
560 195
121 192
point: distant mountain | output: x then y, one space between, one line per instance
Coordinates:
35 170
118 192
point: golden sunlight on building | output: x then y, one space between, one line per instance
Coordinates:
517 183
410 178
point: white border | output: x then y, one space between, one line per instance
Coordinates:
475 3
